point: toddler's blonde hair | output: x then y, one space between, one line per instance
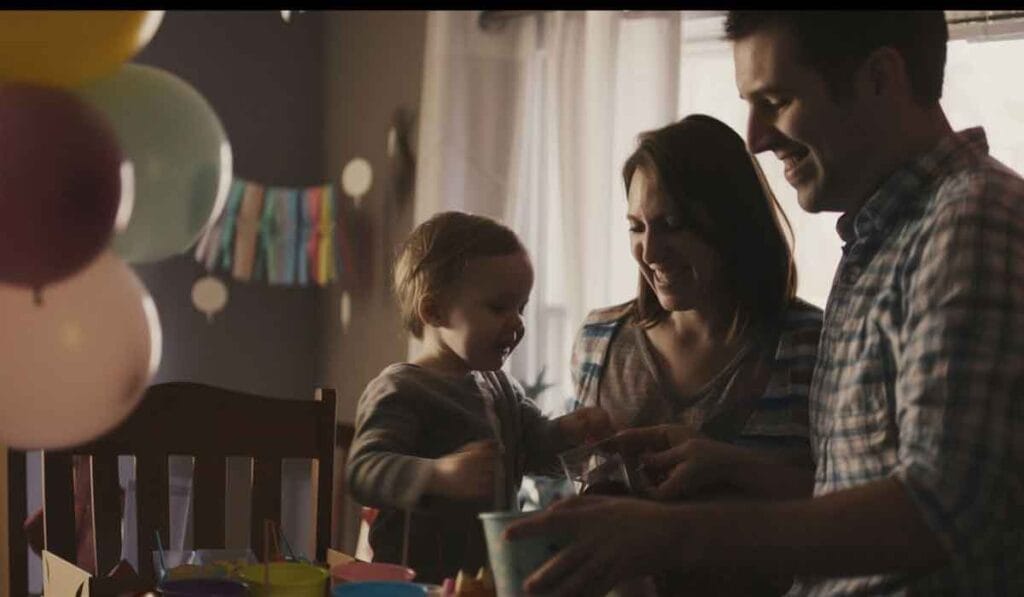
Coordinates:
431 261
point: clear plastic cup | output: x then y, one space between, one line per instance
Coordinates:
598 469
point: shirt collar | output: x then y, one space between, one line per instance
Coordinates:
903 186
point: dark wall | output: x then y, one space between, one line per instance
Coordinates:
297 100
264 79
374 66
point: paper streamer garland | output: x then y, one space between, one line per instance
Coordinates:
284 236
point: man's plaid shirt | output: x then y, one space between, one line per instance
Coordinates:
920 374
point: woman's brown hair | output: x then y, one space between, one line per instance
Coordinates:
703 166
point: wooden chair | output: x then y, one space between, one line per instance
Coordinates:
210 424
17 511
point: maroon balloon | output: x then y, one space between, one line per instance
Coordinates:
60 184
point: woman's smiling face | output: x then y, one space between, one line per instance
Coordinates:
682 269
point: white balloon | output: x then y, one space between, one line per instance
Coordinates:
356 178
209 295
74 366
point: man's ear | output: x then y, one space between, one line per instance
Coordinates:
432 311
884 72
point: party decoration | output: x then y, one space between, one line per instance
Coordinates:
179 153
76 366
356 178
281 235
68 47
346 310
209 295
60 184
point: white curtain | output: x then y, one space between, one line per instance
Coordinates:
471 79
531 123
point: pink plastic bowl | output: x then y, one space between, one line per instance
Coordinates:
367 571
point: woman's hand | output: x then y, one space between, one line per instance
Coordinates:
695 465
682 463
614 539
657 438
466 474
586 424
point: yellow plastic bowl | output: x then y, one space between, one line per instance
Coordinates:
287 579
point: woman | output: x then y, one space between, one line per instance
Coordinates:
716 344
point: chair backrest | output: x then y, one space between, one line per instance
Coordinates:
209 424
16 573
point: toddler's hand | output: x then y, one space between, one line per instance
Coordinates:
467 473
589 423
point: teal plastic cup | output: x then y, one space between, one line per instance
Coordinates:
512 562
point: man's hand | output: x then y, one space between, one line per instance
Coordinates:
614 539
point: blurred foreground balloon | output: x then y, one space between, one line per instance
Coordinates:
68 47
180 157
60 184
75 367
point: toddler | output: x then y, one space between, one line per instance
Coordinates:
450 434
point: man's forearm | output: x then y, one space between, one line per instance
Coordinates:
872 529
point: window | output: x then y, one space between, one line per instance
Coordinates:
981 88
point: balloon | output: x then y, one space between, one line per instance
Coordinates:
60 184
74 367
68 47
179 155
209 295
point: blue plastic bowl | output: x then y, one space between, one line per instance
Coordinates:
379 588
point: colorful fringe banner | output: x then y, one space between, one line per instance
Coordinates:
280 235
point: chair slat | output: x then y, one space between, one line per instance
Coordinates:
266 499
208 491
220 423
17 512
323 473
152 494
59 505
106 507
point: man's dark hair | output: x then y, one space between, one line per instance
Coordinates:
836 42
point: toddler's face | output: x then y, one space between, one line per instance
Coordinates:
485 314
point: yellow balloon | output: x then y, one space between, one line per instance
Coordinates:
68 47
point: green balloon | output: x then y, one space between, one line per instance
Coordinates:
179 156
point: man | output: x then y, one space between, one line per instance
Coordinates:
917 403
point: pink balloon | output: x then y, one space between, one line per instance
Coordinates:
74 367
60 184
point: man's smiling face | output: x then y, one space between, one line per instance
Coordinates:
824 144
